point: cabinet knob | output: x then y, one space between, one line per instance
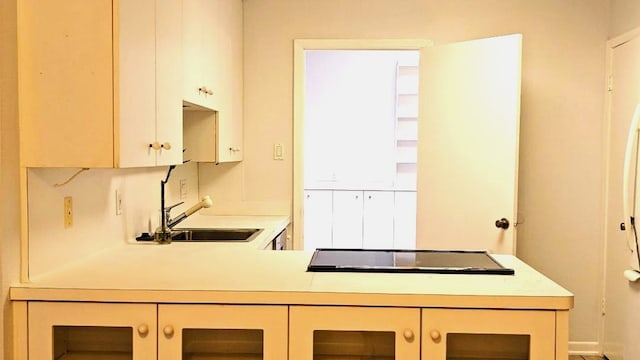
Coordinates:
143 330
168 331
435 335
408 335
166 146
155 146
205 90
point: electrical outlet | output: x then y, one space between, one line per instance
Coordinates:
183 189
68 212
118 202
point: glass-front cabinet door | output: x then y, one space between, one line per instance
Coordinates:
363 333
221 332
469 334
92 331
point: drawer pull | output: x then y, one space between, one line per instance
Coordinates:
143 330
408 335
435 335
168 331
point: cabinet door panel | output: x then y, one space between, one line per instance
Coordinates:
66 83
347 219
318 205
222 331
169 74
353 333
481 334
92 330
136 91
404 236
378 220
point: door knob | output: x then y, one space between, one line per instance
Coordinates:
502 224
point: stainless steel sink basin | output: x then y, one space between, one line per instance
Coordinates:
205 235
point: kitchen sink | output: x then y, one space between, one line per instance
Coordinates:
222 235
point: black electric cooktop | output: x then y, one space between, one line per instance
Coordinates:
412 261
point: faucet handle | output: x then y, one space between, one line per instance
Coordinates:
168 208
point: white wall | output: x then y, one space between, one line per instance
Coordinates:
95 224
561 171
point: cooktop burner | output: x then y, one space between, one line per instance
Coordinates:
414 261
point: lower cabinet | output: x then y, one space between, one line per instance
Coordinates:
102 331
247 332
69 331
333 332
475 334
108 331
327 332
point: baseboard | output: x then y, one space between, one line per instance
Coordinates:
584 348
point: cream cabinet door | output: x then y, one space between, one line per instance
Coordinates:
488 334
334 332
148 124
61 330
99 83
222 332
212 48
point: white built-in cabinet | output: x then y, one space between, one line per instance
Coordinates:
318 214
212 87
100 83
359 219
346 230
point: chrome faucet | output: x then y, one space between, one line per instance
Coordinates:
163 233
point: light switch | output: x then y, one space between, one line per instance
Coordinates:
278 152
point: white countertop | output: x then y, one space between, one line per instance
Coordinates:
236 273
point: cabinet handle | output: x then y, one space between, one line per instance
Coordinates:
166 146
234 149
168 331
408 335
435 335
204 89
155 146
143 330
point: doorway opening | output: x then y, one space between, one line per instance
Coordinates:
355 134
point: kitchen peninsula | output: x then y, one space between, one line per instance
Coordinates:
160 301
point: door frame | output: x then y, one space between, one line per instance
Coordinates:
299 70
603 346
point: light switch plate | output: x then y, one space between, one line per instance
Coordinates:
278 152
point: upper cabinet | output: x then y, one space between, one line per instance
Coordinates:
100 83
212 91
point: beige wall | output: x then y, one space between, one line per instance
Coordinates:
9 185
625 16
561 171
